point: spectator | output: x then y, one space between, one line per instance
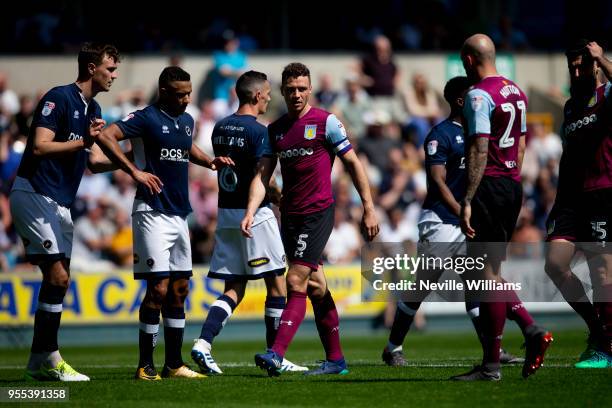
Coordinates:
229 64
344 242
352 106
326 95
423 107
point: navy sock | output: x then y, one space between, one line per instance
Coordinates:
218 315
47 318
404 315
147 335
473 310
274 309
174 327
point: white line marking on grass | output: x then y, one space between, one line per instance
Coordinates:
414 364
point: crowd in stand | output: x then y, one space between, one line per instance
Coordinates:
387 114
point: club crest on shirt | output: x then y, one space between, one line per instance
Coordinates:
432 147
48 108
165 129
76 114
310 132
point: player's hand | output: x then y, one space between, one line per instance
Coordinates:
95 128
369 225
246 224
150 181
220 162
464 220
595 50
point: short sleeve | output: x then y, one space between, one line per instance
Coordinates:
436 149
477 112
133 125
259 142
266 149
335 135
52 110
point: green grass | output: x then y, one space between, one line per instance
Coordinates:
433 357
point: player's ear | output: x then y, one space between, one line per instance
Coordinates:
91 68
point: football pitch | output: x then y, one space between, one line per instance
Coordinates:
433 358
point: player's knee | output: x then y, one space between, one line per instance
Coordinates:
296 283
557 270
156 293
316 292
56 274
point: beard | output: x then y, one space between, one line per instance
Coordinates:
583 87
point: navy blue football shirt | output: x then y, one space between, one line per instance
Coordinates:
242 138
65 111
161 145
445 145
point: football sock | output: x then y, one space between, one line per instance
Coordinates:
573 292
219 313
47 318
604 310
174 327
290 321
493 318
147 335
404 315
473 311
515 310
274 309
328 326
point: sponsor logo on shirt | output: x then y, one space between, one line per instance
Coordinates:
176 155
581 122
287 154
48 108
432 147
310 132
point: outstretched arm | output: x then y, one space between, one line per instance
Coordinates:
369 222
197 156
257 192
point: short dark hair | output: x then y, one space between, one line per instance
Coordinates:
171 74
454 88
294 70
246 85
94 52
577 47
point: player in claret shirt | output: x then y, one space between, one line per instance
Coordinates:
161 136
237 259
582 208
62 133
495 112
306 140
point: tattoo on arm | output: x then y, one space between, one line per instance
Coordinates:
477 161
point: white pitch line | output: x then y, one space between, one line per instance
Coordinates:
311 364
